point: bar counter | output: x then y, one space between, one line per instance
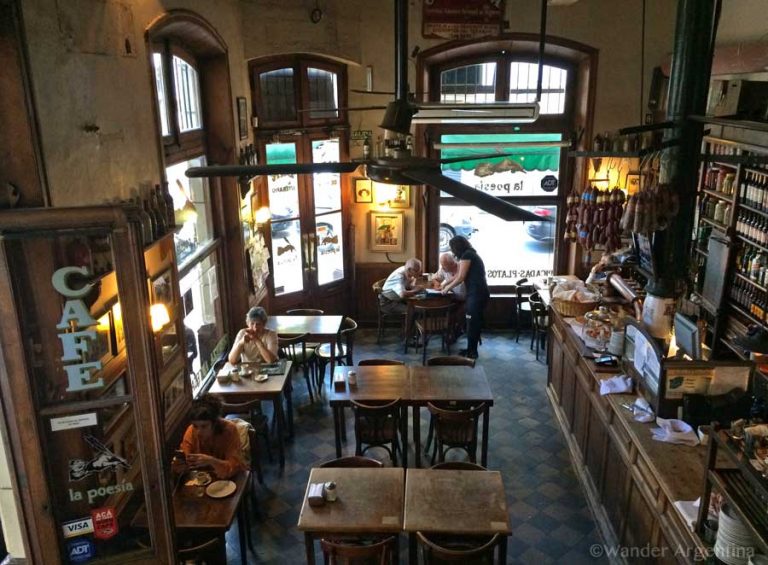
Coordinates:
630 481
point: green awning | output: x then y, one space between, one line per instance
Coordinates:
281 154
530 159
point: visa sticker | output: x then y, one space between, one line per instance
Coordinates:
75 528
81 550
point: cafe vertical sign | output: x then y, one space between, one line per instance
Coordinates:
462 19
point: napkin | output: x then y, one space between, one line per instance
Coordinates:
642 411
616 385
689 510
674 431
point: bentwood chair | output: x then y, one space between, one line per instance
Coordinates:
436 549
540 322
444 361
345 343
364 362
189 549
458 466
305 312
383 316
523 292
432 320
259 427
377 425
337 552
455 429
352 461
294 348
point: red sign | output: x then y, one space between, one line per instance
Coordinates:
104 522
461 19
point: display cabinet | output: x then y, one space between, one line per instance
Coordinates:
94 380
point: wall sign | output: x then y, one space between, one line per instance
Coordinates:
72 422
461 19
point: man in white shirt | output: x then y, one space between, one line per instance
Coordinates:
449 268
400 284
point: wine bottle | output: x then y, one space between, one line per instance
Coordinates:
159 211
169 205
152 219
147 233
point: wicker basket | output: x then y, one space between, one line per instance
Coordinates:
573 308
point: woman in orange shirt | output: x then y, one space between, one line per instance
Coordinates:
211 441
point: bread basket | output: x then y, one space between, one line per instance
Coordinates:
573 308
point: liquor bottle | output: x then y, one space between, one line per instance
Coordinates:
743 191
727 214
147 232
152 219
169 199
704 205
159 209
757 263
719 209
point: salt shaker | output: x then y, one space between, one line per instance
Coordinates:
352 377
330 491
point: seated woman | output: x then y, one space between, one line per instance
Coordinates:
255 343
211 442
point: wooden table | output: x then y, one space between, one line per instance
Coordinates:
369 501
374 382
247 389
321 329
455 502
446 384
203 514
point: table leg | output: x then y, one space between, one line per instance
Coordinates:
279 414
408 323
309 544
333 358
413 556
396 552
404 420
337 429
289 406
503 550
484 449
417 435
241 533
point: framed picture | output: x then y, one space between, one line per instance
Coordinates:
242 116
633 183
117 325
402 197
363 191
162 290
386 232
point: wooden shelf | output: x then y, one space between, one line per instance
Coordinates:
700 251
733 347
750 281
713 223
721 164
749 208
752 243
716 194
744 313
736 488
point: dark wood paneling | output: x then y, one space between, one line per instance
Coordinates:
640 521
365 275
595 451
614 486
580 415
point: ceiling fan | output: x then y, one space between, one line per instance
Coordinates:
403 168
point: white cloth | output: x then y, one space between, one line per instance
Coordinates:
250 353
616 385
459 292
674 431
642 411
689 510
396 284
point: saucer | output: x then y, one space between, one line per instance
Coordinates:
261 378
220 489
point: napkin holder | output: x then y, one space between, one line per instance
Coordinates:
339 382
315 495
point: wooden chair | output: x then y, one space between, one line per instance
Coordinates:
437 549
382 315
336 552
305 312
294 347
259 426
523 292
377 425
540 322
450 360
458 466
345 343
456 429
188 550
352 461
432 320
364 362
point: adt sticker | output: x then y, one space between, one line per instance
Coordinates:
549 183
80 550
104 522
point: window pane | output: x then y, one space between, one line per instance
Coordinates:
187 95
533 242
278 101
323 94
203 320
469 84
327 185
523 78
162 97
330 254
520 173
192 207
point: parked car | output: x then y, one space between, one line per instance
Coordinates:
447 231
546 229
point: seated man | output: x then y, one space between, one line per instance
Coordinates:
400 285
449 268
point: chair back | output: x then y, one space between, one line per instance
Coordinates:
305 312
450 361
457 427
433 319
523 290
458 466
293 347
200 552
347 338
344 553
376 423
538 309
247 435
364 362
464 550
378 286
355 461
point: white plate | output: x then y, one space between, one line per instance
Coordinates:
261 378
220 489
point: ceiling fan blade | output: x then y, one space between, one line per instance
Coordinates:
486 202
254 170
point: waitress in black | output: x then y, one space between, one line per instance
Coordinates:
472 274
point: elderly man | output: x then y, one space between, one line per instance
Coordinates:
449 268
400 285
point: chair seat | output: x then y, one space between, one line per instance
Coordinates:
324 351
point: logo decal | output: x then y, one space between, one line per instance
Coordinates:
104 460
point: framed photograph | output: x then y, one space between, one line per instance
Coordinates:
242 116
633 183
117 325
363 191
162 290
386 232
402 197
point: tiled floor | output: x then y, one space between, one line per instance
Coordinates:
548 513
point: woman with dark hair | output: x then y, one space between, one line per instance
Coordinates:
472 274
211 441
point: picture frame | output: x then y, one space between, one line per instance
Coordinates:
161 288
633 183
386 233
363 191
402 197
242 116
